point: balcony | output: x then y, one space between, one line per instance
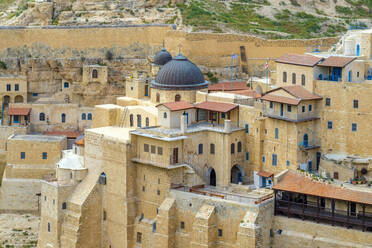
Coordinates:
308 145
291 116
313 211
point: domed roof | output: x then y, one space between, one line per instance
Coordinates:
162 57
179 73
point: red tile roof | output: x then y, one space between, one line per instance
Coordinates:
175 106
298 91
337 61
19 111
265 174
68 134
250 93
216 106
294 182
80 142
226 86
299 59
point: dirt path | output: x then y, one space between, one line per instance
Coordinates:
18 231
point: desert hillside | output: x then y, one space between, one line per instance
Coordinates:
266 18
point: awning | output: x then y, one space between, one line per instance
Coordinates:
19 111
265 174
217 106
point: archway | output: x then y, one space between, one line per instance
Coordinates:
6 101
18 99
306 140
237 174
211 174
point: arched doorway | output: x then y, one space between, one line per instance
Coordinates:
237 174
211 174
306 140
6 101
18 99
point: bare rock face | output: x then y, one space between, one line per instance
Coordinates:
35 14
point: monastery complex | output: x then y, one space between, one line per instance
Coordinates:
164 157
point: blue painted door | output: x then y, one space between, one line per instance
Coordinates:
358 50
187 118
306 140
310 166
263 182
350 76
281 109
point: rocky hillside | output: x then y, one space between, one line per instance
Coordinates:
267 18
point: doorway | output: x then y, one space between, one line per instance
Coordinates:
236 174
175 155
281 109
212 178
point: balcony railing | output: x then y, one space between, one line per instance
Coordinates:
292 116
311 210
307 145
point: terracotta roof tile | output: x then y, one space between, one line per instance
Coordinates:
300 184
68 134
226 86
298 91
265 174
80 140
216 106
299 59
19 111
175 106
337 61
281 99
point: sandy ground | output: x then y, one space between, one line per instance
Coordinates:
18 231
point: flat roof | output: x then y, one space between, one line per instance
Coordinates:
37 137
228 86
293 182
113 133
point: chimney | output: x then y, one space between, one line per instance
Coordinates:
183 124
227 128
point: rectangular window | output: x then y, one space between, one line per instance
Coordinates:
143 188
212 148
289 108
288 163
356 104
139 238
16 87
247 156
246 128
303 109
160 150
35 94
158 192
223 115
329 125
271 105
335 175
310 108
354 127
219 232
275 160
48 227
263 159
182 225
153 148
45 155
146 147
328 102
8 87
276 133
23 155
200 149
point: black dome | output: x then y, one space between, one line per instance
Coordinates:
179 73
162 57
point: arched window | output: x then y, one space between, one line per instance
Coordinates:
303 80
139 120
165 115
293 78
177 98
157 97
147 121
102 178
94 73
41 117
131 120
239 146
90 116
66 85
284 76
63 118
83 116
18 99
232 148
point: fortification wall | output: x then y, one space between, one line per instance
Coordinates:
212 50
